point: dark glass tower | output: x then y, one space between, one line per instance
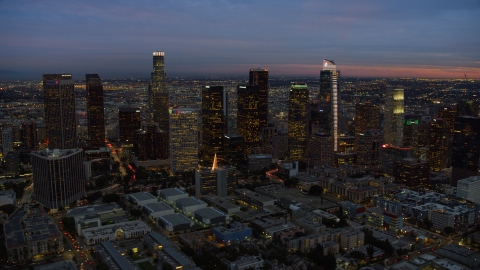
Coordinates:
29 135
95 107
297 121
59 102
158 98
259 77
213 122
128 123
438 144
248 116
330 99
466 148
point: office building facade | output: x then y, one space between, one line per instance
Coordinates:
29 135
128 123
214 101
367 117
438 144
393 117
330 98
95 111
58 177
183 139
297 121
59 104
248 116
259 77
466 148
369 145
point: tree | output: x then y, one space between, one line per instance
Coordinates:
427 223
291 182
8 208
69 225
357 255
136 212
329 262
315 190
448 230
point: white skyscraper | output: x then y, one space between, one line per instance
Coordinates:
330 98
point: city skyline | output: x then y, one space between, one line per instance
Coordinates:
368 39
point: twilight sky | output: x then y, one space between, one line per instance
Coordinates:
419 38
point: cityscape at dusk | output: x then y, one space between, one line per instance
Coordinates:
240 135
427 39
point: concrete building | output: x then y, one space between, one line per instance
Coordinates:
157 209
469 189
175 222
222 204
352 240
247 262
211 217
258 162
235 232
170 195
58 177
30 231
167 252
8 197
320 149
374 217
189 205
253 198
412 172
288 168
441 220
112 257
117 231
141 198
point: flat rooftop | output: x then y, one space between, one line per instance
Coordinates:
93 209
220 201
175 219
142 196
157 207
189 201
210 213
171 192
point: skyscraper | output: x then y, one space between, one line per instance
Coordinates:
213 122
259 77
393 120
411 128
158 97
59 103
95 114
330 98
183 139
128 123
298 121
248 116
438 145
448 114
367 118
29 135
233 150
466 148
369 150
58 177
216 180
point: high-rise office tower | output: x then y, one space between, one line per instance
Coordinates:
29 135
141 145
128 123
393 119
369 145
58 177
216 180
411 128
233 150
159 100
59 103
259 77
438 145
467 108
7 140
268 133
466 148
367 117
412 172
320 149
95 114
330 98
153 140
448 114
393 153
297 121
213 122
248 116
183 139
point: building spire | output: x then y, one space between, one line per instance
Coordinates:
214 165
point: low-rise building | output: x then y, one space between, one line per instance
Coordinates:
170 195
221 203
311 223
441 219
141 198
330 247
375 217
247 262
29 232
112 258
235 232
253 198
211 216
351 240
469 189
460 254
175 258
258 162
117 231
175 222
157 209
156 241
189 205
8 197
288 168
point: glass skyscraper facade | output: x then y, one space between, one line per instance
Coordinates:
394 113
466 148
213 122
297 121
259 77
248 116
183 139
95 113
59 102
330 100
128 123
